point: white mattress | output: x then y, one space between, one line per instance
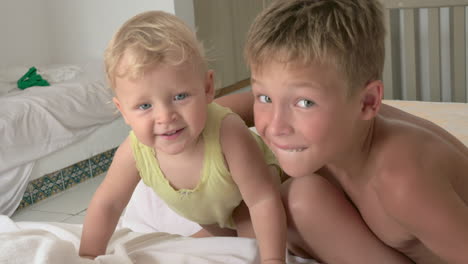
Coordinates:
39 121
104 138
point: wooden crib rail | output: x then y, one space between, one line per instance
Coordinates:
426 50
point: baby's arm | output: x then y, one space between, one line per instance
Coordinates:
241 104
258 188
108 202
420 196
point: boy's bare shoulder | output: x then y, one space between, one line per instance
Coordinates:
407 151
400 151
420 174
412 155
408 142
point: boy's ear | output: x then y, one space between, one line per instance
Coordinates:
209 86
119 107
371 99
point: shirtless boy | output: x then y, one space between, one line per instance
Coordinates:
370 183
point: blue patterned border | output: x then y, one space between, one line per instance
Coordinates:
58 181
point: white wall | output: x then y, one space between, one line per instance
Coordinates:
184 9
81 29
23 32
35 32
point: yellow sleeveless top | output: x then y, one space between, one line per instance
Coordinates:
216 195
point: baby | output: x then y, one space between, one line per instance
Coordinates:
199 157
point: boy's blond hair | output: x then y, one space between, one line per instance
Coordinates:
149 39
348 34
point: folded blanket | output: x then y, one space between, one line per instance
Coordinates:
36 242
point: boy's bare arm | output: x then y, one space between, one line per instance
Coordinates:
108 203
258 188
420 195
241 104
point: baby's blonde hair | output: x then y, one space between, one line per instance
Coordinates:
149 39
347 34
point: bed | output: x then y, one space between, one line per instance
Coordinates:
54 137
149 232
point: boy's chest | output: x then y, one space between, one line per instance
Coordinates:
391 233
365 199
379 222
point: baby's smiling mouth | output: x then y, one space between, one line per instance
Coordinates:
170 133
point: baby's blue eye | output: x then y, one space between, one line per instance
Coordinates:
304 103
181 96
264 99
144 106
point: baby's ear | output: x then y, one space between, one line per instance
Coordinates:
371 99
209 86
119 107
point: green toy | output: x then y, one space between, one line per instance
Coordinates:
31 78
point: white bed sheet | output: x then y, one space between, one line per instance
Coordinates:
58 243
39 121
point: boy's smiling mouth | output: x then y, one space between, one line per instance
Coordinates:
287 148
294 150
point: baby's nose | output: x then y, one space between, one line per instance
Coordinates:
165 115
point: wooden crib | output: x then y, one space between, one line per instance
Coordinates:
426 50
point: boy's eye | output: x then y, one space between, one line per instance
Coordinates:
264 99
144 106
304 103
181 96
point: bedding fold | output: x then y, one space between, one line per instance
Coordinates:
58 243
41 120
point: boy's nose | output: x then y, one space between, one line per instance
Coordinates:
279 123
